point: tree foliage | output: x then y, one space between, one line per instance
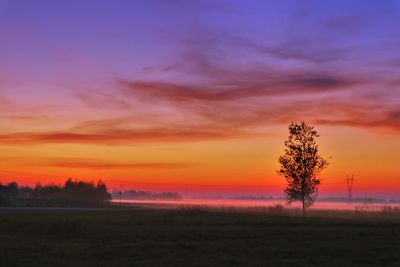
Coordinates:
301 164
72 193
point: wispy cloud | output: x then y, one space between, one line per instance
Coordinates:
389 121
99 99
18 117
121 136
98 165
259 85
223 121
93 164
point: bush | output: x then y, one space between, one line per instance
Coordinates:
276 209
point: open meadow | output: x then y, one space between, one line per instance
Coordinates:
190 236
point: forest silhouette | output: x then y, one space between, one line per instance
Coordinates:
74 193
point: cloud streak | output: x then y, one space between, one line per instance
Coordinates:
97 165
222 122
93 164
261 86
120 136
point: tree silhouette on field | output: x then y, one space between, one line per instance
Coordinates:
301 163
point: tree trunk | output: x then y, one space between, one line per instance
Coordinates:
304 207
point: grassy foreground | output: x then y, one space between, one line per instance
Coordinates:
145 237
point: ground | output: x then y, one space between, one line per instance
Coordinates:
166 237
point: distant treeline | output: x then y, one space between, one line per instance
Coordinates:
359 200
71 194
145 195
252 198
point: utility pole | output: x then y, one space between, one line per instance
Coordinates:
350 181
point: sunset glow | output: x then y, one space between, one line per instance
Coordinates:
197 98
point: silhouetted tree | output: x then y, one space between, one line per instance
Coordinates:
301 163
86 192
9 194
102 192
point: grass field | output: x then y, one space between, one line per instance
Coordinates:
151 237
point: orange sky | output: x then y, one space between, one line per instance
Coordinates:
241 165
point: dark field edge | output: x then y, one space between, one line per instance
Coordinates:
196 236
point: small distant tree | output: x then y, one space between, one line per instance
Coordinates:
301 163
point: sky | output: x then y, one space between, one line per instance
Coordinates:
196 96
